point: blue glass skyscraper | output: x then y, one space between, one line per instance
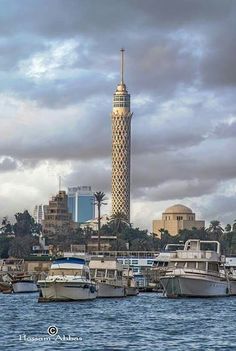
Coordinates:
81 203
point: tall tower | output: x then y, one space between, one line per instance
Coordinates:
121 128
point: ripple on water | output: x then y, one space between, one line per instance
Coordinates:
147 322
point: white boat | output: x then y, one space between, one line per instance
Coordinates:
195 272
131 288
68 279
24 286
107 273
230 266
21 283
161 261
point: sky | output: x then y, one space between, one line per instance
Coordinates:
59 67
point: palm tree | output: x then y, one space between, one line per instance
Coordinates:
234 226
99 201
216 229
119 221
228 228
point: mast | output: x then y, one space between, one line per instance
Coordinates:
122 65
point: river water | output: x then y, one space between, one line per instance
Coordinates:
142 323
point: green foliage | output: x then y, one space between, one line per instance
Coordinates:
25 224
6 226
99 196
20 247
4 246
118 222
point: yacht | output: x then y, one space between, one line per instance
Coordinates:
196 271
161 261
131 288
68 279
107 274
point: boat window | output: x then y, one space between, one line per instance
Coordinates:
165 264
191 265
134 261
213 267
101 273
110 273
119 274
172 264
92 273
65 272
180 264
202 266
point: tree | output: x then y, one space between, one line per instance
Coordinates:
20 247
216 229
6 226
234 225
118 222
228 228
25 224
4 246
99 201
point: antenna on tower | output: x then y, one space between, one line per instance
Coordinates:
122 65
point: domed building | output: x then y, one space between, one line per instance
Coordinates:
176 218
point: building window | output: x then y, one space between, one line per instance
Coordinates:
110 273
134 261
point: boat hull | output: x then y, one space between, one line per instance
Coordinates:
189 286
24 287
5 287
233 287
131 291
108 290
60 291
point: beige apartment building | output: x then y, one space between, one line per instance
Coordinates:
176 218
58 219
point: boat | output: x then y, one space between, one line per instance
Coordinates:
5 287
107 274
24 284
196 271
20 283
161 263
68 279
131 288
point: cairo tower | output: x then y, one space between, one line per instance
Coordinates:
121 143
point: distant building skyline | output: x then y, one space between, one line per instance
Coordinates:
39 213
81 203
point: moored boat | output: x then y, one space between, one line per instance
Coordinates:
20 283
68 279
195 272
24 285
107 273
131 288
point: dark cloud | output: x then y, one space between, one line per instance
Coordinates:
8 164
59 66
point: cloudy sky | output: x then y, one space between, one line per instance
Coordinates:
59 66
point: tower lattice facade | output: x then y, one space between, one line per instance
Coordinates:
121 145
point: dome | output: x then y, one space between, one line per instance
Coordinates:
178 209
